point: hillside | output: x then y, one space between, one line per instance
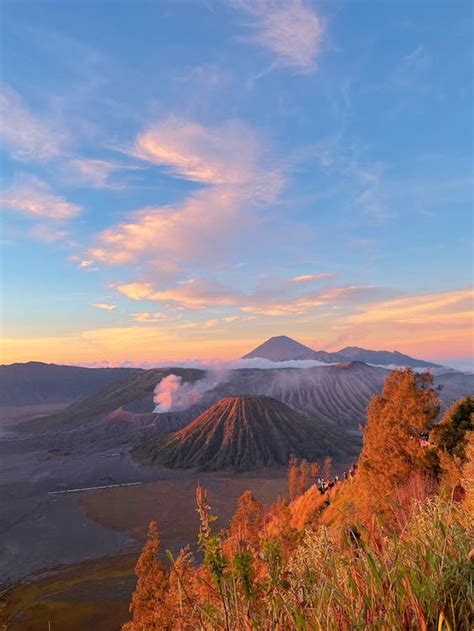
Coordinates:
382 358
240 433
36 383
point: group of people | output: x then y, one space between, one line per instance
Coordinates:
324 484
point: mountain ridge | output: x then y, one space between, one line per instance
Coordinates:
335 397
33 383
284 348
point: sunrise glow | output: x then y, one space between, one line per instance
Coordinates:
267 176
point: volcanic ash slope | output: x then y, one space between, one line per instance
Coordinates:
240 433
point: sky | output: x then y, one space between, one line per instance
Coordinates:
184 179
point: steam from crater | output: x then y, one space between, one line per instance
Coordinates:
172 395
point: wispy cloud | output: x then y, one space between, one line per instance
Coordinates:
411 72
454 306
282 297
25 136
104 306
31 196
363 179
177 234
150 317
289 29
87 264
310 301
48 233
239 177
436 324
310 278
190 294
228 154
97 173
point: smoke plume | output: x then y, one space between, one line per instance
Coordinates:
172 395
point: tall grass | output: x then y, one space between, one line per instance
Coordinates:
419 579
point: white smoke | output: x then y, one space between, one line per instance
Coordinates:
172 395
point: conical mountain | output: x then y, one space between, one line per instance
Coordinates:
284 348
240 433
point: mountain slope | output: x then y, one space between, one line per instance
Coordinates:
382 358
36 383
334 397
283 348
240 433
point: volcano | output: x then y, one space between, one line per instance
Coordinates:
283 348
239 433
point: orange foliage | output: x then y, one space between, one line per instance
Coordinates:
246 526
300 476
305 508
392 449
148 606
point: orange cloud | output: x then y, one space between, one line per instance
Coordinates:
334 296
416 309
104 306
191 294
32 196
147 317
433 325
178 233
197 293
225 154
239 176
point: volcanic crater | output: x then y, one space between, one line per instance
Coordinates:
240 433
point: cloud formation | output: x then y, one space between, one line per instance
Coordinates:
271 305
104 306
31 196
176 234
238 177
279 298
147 317
96 173
289 29
225 154
191 294
453 307
25 136
430 325
310 278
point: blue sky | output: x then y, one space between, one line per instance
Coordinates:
183 179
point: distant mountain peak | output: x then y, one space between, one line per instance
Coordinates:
283 348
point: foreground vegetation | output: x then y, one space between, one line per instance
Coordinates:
387 549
